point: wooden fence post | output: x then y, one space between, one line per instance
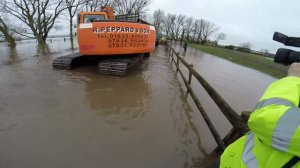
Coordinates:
177 56
190 75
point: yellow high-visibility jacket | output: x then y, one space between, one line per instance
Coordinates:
274 137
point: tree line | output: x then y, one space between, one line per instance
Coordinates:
35 18
201 31
184 28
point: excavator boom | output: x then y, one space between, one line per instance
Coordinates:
109 11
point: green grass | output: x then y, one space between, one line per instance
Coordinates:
253 61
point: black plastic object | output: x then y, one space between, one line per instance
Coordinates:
286 56
280 37
288 41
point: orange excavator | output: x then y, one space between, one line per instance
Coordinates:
118 42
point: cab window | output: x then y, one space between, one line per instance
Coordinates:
93 18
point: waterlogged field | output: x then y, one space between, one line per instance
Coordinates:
260 63
57 118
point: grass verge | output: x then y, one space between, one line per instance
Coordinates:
253 61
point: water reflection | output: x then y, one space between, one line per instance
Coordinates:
78 114
122 97
13 55
193 150
230 80
9 56
72 44
43 49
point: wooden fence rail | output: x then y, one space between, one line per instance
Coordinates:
238 122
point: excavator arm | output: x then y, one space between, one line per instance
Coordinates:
109 11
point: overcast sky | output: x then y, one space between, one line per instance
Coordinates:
252 21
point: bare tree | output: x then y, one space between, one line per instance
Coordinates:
182 29
95 5
5 29
265 51
73 6
188 26
219 36
195 29
122 7
141 6
39 16
245 47
158 19
208 28
7 33
200 30
146 17
168 24
178 25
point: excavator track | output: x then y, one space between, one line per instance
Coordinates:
118 67
67 61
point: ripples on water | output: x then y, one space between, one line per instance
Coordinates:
81 118
240 86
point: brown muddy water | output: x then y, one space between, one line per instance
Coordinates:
57 118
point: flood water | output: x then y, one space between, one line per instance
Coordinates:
57 118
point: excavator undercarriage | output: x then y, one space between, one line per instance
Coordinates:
111 66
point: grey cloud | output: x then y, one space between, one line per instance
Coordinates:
252 21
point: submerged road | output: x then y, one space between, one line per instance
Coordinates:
57 118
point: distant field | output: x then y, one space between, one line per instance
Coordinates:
260 63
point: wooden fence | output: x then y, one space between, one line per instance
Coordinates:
238 122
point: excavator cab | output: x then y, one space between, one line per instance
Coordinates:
88 18
106 13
